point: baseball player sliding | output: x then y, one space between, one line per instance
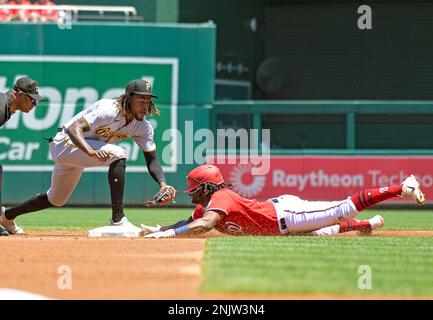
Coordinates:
87 141
219 207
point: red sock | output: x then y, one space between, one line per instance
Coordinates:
353 224
367 198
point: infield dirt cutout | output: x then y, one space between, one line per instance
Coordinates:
113 268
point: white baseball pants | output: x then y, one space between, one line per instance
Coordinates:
297 216
70 163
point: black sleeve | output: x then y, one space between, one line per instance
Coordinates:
177 224
153 166
3 110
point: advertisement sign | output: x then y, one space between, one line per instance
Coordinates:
72 83
327 177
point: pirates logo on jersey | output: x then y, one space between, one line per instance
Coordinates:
102 130
106 133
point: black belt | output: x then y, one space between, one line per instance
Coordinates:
50 139
282 220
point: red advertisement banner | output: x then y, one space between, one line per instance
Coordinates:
326 177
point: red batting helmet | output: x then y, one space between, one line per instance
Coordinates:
202 174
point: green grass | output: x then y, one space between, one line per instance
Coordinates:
402 219
83 219
305 265
302 265
296 265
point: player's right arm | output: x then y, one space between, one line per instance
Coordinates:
177 224
205 224
145 230
197 214
202 225
76 133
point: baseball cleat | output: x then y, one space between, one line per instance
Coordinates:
411 190
124 222
9 225
3 232
374 223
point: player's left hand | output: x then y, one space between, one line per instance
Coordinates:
145 230
162 197
161 234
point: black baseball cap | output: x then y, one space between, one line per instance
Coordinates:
140 86
29 87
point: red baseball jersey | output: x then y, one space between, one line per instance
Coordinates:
241 215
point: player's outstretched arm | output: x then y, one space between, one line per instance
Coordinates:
208 222
166 192
177 224
154 167
145 230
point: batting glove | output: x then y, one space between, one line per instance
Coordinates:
161 234
145 230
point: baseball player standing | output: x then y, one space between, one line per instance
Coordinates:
221 208
23 97
87 141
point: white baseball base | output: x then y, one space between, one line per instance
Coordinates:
114 232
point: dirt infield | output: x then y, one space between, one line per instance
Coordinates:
117 268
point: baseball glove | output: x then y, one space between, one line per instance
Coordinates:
162 197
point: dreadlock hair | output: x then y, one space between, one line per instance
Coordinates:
210 188
123 103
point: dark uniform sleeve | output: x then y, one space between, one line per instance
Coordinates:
3 109
153 166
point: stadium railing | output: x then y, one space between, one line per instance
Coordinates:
129 12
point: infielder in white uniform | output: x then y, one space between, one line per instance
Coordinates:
87 141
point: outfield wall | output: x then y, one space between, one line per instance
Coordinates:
328 177
329 149
80 65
